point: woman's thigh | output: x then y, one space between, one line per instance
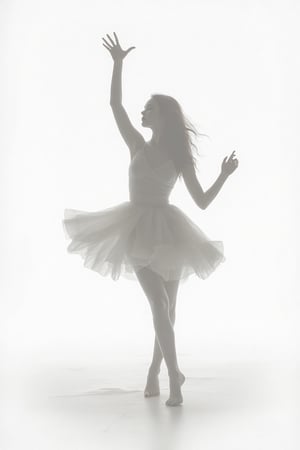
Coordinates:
154 288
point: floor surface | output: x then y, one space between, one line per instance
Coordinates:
226 406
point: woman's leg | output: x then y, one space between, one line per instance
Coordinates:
157 296
172 289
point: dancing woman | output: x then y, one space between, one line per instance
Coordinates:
147 238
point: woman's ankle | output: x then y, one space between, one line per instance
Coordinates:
174 373
154 370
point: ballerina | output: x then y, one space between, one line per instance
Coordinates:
147 238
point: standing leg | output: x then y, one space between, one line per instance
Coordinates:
152 386
172 289
156 293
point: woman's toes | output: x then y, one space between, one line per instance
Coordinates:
152 386
174 402
151 393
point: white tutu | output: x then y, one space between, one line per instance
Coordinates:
117 240
145 231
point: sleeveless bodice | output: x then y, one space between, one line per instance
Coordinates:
150 185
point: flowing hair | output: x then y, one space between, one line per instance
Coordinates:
176 135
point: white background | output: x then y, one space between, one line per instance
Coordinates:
234 68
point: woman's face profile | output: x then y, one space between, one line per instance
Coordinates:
150 114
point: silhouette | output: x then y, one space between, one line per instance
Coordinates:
147 238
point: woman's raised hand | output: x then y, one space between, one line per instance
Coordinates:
117 53
230 165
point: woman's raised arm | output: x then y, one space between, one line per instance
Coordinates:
118 54
131 136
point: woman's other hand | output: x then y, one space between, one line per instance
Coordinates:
117 53
230 165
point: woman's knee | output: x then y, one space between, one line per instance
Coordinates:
172 310
160 306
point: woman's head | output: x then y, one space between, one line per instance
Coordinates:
151 116
164 115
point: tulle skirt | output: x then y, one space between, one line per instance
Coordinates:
120 240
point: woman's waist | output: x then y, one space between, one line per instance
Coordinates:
149 201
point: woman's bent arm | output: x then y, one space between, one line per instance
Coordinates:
200 197
212 192
203 199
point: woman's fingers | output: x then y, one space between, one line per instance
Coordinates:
131 48
232 159
109 46
232 155
110 39
115 49
231 164
116 37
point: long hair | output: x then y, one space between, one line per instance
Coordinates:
176 135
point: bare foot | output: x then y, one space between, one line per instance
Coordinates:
152 386
176 382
